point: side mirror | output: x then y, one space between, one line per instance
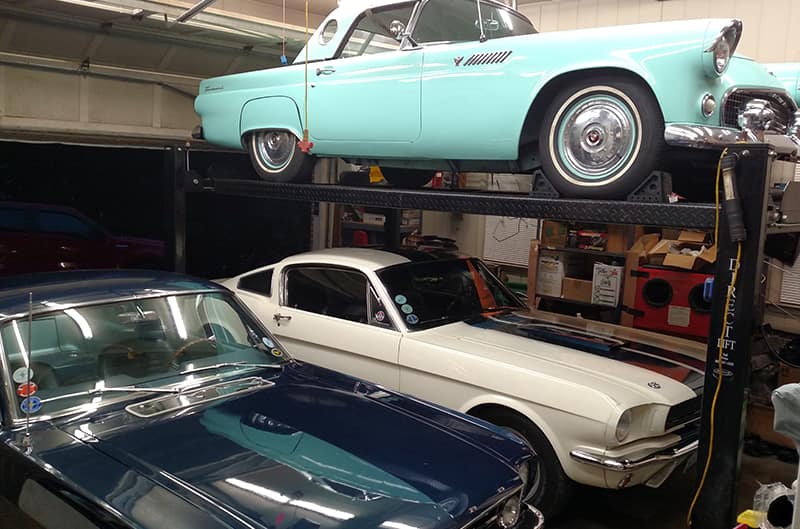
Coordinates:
398 30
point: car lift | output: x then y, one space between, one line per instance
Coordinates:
757 197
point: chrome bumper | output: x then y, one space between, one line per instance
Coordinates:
624 464
699 136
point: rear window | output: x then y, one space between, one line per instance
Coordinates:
12 219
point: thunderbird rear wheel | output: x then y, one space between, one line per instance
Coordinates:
276 156
601 137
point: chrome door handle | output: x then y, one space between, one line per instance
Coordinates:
326 70
278 317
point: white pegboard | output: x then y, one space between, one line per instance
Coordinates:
507 240
790 285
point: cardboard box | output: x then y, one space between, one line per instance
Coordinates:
533 267
552 268
635 256
788 374
554 234
675 252
760 422
577 289
606 284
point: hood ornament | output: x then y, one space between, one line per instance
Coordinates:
654 385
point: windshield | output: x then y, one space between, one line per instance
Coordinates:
433 293
145 343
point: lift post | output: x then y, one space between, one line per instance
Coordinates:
716 507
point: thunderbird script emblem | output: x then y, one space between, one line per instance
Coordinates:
458 60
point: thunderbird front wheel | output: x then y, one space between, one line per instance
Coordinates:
601 137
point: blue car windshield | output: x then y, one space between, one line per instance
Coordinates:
142 343
432 293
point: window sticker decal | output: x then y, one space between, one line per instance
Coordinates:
26 390
268 342
412 319
407 309
277 352
21 375
400 299
380 316
31 405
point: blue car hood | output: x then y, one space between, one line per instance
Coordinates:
308 451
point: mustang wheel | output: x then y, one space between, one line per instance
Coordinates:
550 489
276 156
601 137
408 178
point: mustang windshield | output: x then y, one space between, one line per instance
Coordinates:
78 356
432 293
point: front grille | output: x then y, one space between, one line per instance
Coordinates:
686 411
736 100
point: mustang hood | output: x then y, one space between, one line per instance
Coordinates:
303 451
630 372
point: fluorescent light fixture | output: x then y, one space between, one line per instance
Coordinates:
192 11
280 498
258 491
81 322
397 525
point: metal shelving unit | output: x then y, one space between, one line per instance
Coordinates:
717 502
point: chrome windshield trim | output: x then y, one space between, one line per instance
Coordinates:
624 464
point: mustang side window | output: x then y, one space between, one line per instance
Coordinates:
372 33
259 282
332 292
457 21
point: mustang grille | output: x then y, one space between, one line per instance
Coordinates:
487 58
686 411
737 99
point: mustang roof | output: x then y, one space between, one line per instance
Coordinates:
86 286
373 259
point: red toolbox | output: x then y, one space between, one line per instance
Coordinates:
672 301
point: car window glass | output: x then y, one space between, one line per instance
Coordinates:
431 293
144 342
328 32
259 282
334 292
457 21
378 316
12 219
372 34
64 224
58 514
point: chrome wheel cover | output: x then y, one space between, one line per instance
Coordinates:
275 149
597 137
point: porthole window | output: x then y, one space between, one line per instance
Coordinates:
328 32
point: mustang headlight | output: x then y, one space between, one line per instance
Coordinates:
623 426
509 515
717 56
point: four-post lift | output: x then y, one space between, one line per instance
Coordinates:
749 212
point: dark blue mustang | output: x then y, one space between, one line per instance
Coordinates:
154 400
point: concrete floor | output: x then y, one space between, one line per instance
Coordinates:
665 507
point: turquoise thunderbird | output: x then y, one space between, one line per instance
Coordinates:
788 73
469 85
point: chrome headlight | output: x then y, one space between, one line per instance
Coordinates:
623 426
509 515
717 56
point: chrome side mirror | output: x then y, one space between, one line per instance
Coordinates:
398 30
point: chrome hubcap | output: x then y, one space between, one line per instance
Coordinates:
597 137
275 148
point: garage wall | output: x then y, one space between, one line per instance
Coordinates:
49 100
767 36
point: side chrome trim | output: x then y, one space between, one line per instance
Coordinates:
699 136
625 464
